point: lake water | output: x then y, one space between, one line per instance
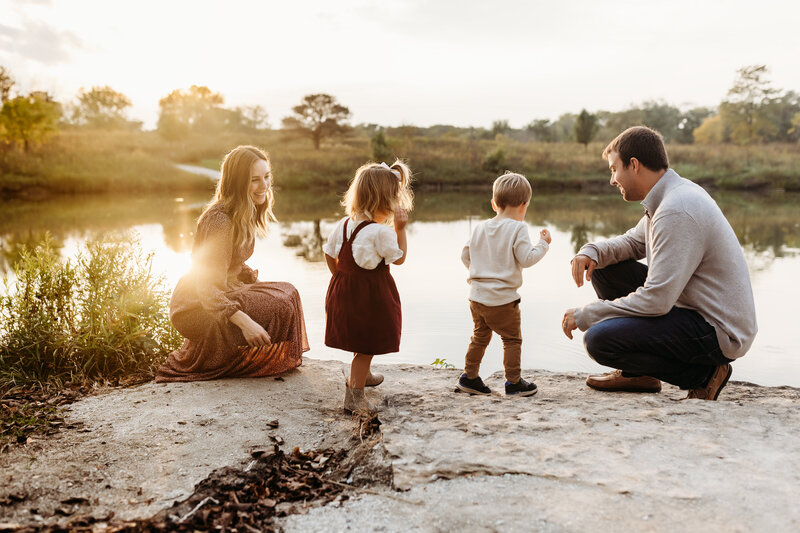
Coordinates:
432 282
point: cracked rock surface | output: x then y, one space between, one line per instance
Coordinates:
566 459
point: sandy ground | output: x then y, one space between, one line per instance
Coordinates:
567 459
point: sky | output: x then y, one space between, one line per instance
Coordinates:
420 62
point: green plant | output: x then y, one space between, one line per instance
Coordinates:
441 363
494 161
101 315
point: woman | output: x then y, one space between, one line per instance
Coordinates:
235 326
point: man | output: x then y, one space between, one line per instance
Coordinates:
687 314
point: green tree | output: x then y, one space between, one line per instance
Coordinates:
318 116
254 117
690 121
500 127
379 146
542 129
27 120
6 84
190 111
101 107
743 109
586 127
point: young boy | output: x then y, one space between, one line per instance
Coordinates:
495 255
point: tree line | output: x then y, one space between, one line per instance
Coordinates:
752 112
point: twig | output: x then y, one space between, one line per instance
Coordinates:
196 507
356 489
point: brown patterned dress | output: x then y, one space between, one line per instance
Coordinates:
219 284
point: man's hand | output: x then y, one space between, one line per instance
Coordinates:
568 324
581 264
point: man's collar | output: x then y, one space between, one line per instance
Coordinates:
656 194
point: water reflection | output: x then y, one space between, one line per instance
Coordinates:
436 321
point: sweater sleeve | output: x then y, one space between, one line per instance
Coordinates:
212 264
677 249
525 252
465 258
630 245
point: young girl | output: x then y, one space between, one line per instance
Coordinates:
362 305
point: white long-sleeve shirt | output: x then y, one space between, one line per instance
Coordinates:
495 255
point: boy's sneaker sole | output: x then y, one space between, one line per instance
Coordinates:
462 388
523 393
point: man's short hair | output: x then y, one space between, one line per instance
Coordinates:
644 144
511 190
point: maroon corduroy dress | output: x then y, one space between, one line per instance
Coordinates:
362 306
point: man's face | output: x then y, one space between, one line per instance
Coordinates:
625 179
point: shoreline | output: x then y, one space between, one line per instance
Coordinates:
477 462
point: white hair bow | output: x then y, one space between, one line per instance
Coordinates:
393 171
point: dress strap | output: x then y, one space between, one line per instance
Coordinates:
360 226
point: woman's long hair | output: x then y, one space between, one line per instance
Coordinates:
233 195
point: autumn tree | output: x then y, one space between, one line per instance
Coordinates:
27 120
101 107
743 109
6 84
192 110
586 127
318 116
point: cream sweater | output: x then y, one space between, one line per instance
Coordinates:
495 255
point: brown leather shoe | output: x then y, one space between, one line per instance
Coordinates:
716 382
614 381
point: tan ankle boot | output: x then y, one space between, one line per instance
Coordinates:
373 380
355 402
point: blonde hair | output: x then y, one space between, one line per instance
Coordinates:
233 195
376 189
511 190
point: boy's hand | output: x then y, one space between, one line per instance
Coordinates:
400 219
544 234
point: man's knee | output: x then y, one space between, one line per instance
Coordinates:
596 340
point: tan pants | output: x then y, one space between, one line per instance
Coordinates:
503 320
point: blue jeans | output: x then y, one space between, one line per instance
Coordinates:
680 347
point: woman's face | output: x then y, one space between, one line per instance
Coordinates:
260 181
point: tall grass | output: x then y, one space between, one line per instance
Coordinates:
101 315
101 161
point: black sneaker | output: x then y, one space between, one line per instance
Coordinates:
521 388
472 386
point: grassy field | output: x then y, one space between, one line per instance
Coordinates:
83 161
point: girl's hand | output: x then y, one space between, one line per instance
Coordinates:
544 234
400 219
254 333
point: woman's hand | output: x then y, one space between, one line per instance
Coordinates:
400 219
254 333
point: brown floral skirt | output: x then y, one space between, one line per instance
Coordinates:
216 348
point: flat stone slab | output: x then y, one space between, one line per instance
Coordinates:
567 459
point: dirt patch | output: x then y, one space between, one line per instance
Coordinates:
248 498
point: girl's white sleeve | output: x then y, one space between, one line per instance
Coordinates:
386 245
334 244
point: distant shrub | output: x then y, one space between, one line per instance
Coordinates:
101 315
494 161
